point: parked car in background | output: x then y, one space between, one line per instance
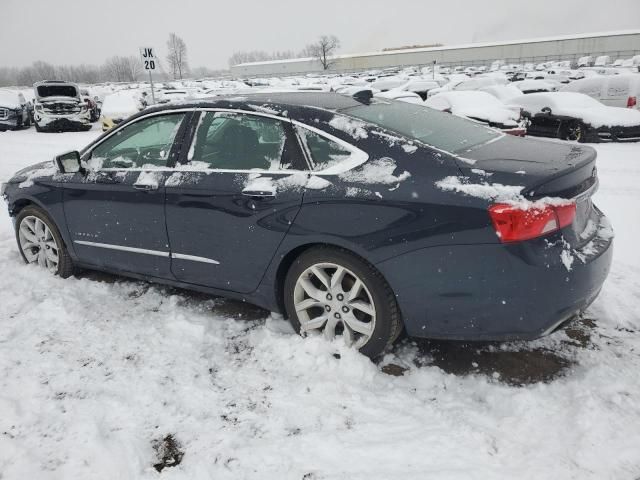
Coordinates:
401 96
14 110
420 86
357 220
611 90
574 116
535 86
119 106
502 92
59 107
480 107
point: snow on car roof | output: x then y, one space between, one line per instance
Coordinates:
469 98
9 98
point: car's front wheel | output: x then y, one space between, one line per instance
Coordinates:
40 242
574 131
332 292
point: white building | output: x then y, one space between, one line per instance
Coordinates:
622 44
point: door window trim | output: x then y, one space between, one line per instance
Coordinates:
358 156
177 140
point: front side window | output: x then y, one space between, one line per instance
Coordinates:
239 142
145 143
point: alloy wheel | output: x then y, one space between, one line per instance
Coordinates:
331 299
38 243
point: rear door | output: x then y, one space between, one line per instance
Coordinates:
233 198
115 209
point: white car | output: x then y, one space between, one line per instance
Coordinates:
118 106
480 107
575 116
535 86
403 96
503 92
611 90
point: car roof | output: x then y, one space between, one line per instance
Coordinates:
288 104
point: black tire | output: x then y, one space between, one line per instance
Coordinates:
574 131
388 325
38 128
65 264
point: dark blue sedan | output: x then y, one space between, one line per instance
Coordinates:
355 217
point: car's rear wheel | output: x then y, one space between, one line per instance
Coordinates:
40 242
332 292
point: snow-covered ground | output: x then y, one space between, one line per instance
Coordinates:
95 370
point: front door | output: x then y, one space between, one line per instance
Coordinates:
115 210
233 200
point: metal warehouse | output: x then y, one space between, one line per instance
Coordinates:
622 44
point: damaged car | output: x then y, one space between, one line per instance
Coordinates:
59 107
14 111
355 218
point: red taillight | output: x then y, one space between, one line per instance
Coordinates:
631 102
515 224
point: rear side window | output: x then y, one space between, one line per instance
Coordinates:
239 142
323 152
427 125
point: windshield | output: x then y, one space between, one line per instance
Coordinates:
441 130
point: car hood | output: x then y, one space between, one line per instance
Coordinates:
535 165
38 170
502 116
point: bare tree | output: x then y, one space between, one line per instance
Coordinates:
259 56
122 69
177 57
323 50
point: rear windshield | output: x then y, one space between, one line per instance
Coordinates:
57 91
441 130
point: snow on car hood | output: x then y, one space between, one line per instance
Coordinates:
603 116
503 116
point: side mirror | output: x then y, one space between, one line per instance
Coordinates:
546 110
69 162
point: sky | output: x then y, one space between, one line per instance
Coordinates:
89 31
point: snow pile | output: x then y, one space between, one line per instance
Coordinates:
95 370
376 172
353 127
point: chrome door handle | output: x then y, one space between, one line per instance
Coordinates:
145 187
259 193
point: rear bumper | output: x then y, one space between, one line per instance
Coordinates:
496 291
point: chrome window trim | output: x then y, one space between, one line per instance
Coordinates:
360 155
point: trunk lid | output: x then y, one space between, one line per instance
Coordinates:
543 169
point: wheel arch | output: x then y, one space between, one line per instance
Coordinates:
292 254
